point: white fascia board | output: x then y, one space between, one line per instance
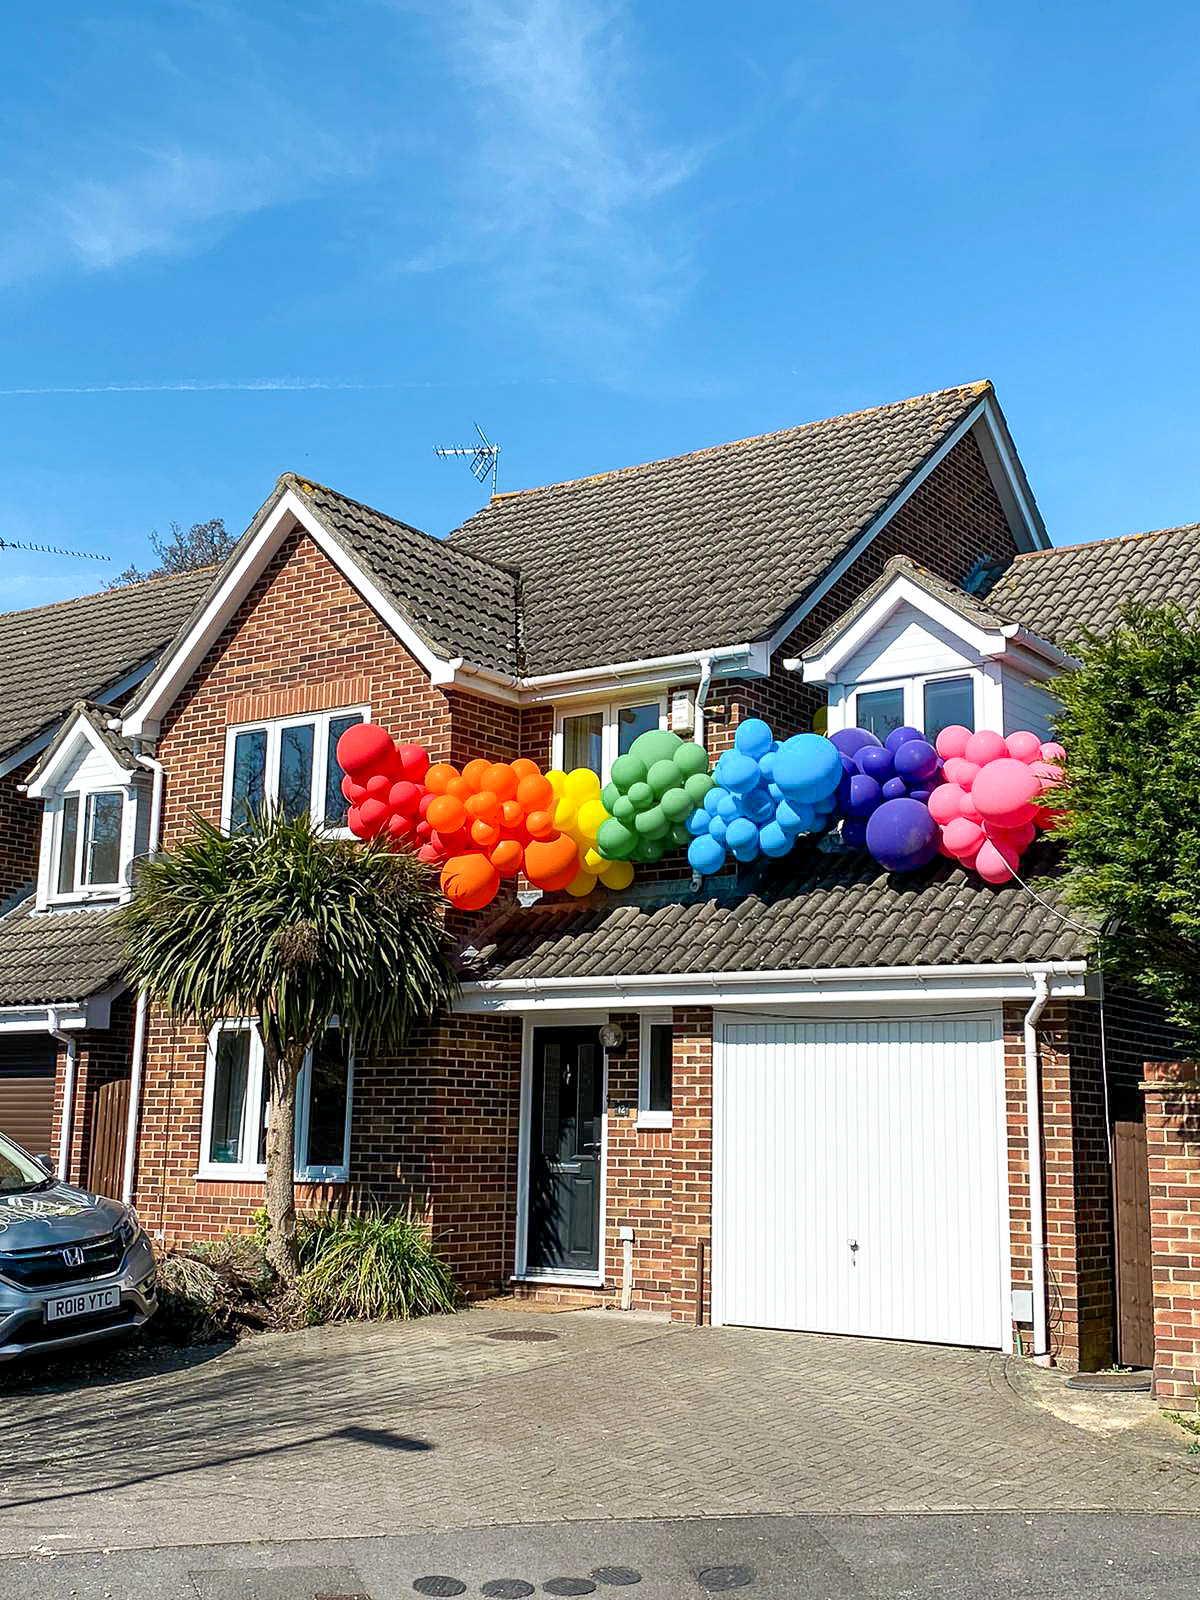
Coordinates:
144 719
79 727
816 986
68 1016
1011 489
735 660
900 591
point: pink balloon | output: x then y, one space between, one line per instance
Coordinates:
1053 752
1019 838
996 863
962 838
1048 773
1003 791
960 771
1024 746
947 802
985 746
952 741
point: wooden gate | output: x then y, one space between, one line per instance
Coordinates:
109 1112
1135 1276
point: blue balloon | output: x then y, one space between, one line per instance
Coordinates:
902 836
753 737
741 834
877 764
915 759
899 736
712 800
717 829
895 789
766 764
706 855
697 823
774 842
865 795
807 766
758 805
736 772
727 806
850 740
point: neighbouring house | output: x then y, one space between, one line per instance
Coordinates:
805 1095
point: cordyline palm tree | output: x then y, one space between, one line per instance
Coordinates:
291 928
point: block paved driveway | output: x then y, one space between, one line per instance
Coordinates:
391 1429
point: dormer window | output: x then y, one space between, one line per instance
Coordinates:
89 857
929 703
949 702
288 763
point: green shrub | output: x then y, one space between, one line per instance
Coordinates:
371 1264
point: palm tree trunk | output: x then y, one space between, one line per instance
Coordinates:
282 1073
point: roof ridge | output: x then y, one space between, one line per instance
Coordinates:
978 388
1115 538
117 589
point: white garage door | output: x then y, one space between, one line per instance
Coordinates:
860 1178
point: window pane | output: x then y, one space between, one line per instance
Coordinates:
295 770
231 1071
327 1101
249 778
264 1118
336 804
633 721
880 712
660 1067
102 842
583 742
68 840
949 701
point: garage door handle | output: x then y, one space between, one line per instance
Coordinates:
853 1243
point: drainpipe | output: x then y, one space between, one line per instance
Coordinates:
1033 1132
67 1117
702 687
139 1022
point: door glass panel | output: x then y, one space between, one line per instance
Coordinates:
102 840
68 843
229 1095
949 702
583 742
588 1097
551 1081
632 721
295 770
249 778
337 807
880 712
328 1084
660 1067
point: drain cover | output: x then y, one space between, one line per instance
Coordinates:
1111 1382
569 1586
717 1579
507 1589
522 1335
439 1586
618 1576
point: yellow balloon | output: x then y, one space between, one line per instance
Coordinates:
557 779
581 784
617 874
593 861
591 814
564 816
582 883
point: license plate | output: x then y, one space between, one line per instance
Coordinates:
85 1304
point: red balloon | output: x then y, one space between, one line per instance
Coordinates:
366 747
413 762
354 792
372 815
378 784
405 796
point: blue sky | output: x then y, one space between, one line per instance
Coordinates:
237 239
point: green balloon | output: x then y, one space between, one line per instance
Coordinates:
650 824
677 805
628 770
680 834
696 787
623 808
657 745
691 759
615 841
663 775
642 796
647 850
609 796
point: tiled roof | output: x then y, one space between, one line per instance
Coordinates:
58 956
704 549
98 717
56 654
814 911
1081 588
461 603
949 594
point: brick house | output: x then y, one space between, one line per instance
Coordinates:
824 1098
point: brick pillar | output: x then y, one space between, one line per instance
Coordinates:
691 1159
1172 1091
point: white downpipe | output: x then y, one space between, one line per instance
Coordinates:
1033 1133
66 1119
136 1065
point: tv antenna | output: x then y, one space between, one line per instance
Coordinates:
485 456
51 550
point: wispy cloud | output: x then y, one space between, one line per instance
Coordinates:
566 192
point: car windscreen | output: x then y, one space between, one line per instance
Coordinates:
19 1171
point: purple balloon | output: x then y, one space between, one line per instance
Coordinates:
919 794
915 760
899 736
902 836
895 789
865 795
876 763
854 831
851 740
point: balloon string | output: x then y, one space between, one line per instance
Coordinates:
1094 933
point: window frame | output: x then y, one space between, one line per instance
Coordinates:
256 1171
610 710
79 890
274 727
647 1116
914 695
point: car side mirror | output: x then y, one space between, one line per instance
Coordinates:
45 1161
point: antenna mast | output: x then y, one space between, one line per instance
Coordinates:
51 550
485 456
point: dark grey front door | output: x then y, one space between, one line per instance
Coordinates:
564 1151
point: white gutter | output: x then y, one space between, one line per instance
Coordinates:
137 1063
1033 1134
67 1117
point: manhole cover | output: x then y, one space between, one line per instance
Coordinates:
522 1335
618 1576
1111 1382
569 1586
717 1579
507 1589
440 1586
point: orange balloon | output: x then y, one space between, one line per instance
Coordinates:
524 768
459 787
476 771
438 776
470 882
512 813
501 780
552 863
535 792
484 834
507 857
485 805
446 814
541 824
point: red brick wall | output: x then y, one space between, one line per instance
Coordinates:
639 1190
20 835
1172 1090
101 1054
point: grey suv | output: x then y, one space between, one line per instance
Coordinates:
73 1266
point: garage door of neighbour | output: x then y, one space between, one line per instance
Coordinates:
860 1178
27 1090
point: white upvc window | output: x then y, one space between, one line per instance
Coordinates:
88 831
289 762
594 735
233 1133
654 1069
928 701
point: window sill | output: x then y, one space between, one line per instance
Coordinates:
233 1174
653 1121
563 1280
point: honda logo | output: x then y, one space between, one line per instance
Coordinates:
73 1256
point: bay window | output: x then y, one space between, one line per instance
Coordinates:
290 763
